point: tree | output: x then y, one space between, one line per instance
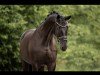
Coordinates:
11 27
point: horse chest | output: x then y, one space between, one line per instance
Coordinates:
50 55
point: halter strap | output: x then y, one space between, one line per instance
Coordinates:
62 37
60 25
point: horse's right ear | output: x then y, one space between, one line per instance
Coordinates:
67 18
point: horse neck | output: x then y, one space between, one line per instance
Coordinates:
47 32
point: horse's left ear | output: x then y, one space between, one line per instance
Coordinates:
67 17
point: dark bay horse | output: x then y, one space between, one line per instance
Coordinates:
37 46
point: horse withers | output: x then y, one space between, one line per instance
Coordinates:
38 46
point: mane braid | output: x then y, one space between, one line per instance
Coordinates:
53 12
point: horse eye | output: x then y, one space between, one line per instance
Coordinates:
66 30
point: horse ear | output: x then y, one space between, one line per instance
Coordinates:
58 16
67 17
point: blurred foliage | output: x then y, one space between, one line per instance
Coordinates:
83 35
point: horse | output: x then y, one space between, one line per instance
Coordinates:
38 46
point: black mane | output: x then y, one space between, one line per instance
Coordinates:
50 13
53 12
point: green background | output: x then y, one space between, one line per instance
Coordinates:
83 53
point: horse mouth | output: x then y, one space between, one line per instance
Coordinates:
63 48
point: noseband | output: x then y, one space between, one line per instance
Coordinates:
62 37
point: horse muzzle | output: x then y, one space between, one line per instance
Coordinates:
64 48
63 44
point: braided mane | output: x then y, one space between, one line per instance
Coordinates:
53 12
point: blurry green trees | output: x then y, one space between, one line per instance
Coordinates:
83 36
12 24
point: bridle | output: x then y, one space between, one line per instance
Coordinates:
61 25
62 37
